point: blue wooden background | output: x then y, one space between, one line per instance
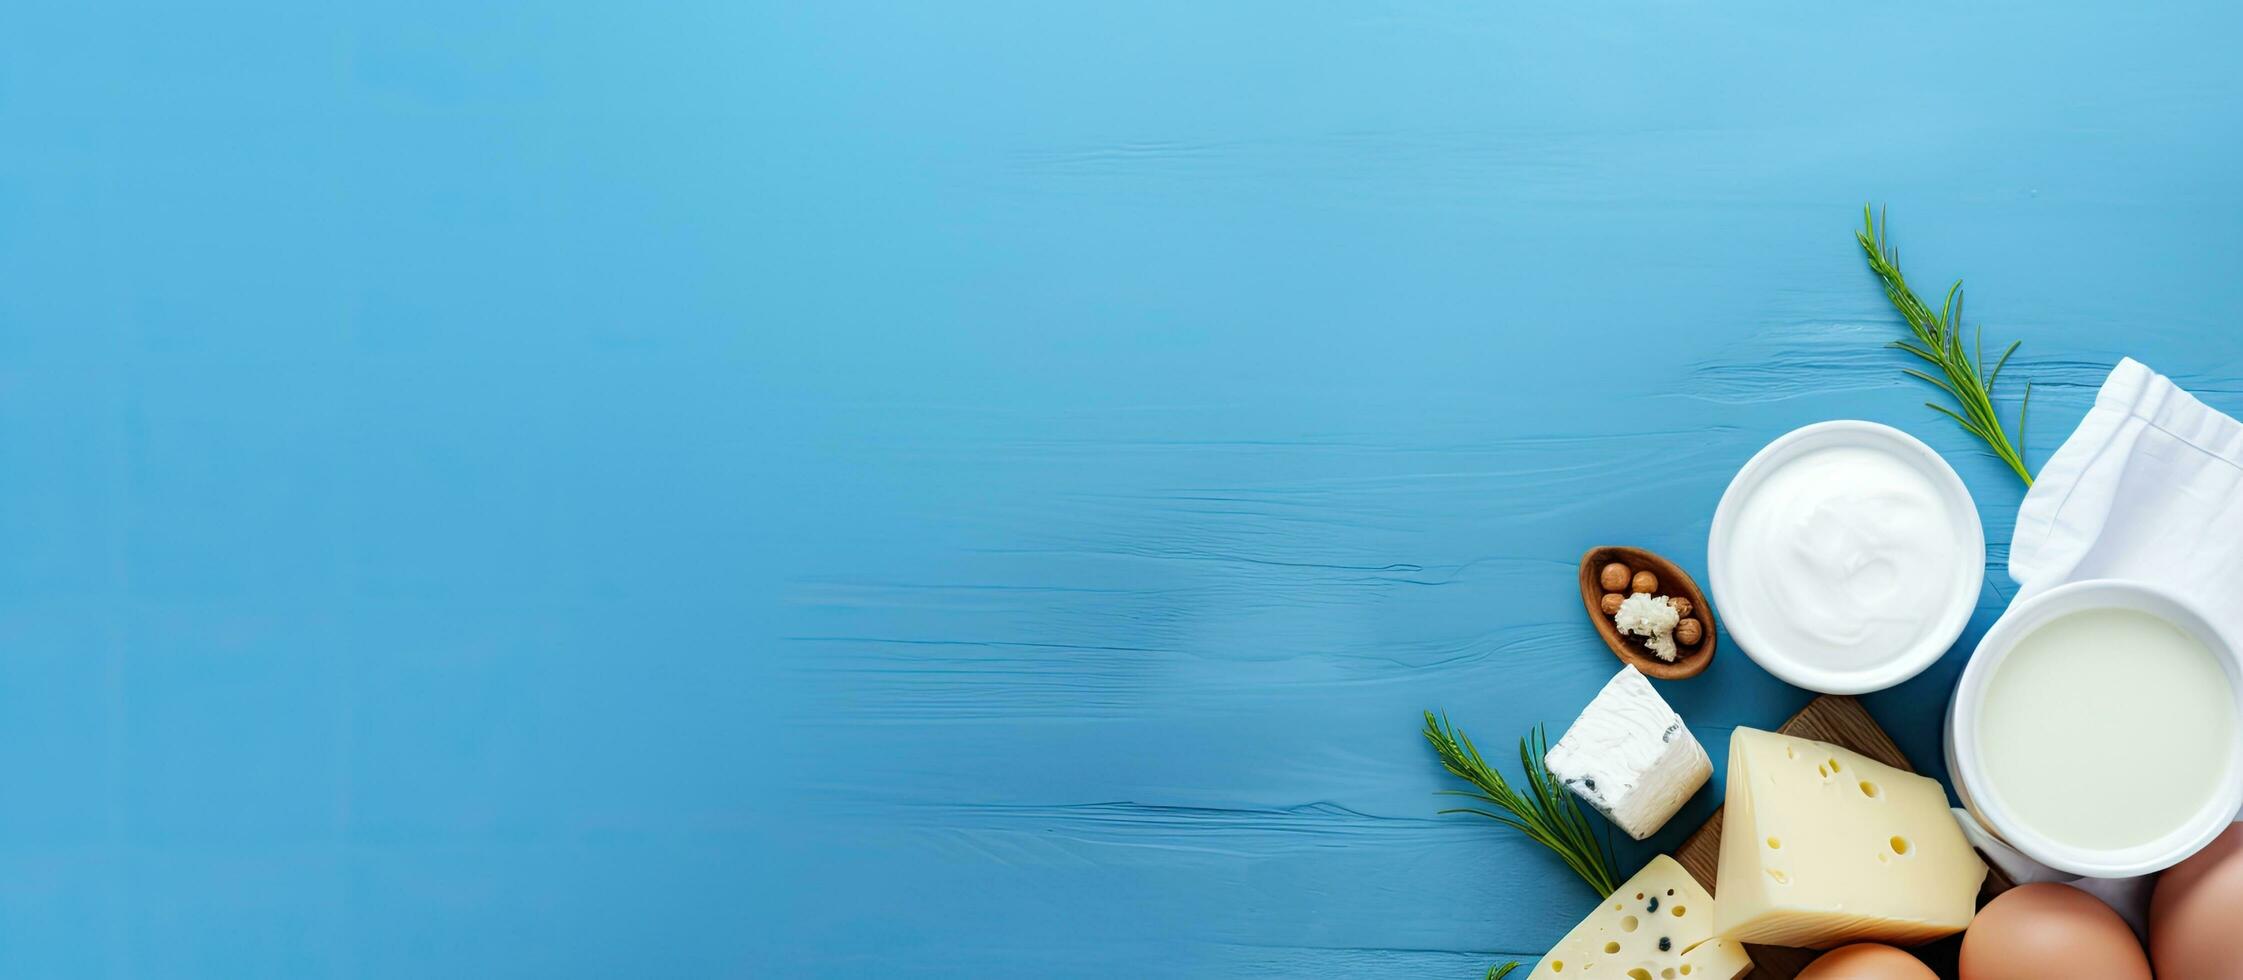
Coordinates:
960 490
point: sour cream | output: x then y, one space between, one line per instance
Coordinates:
1846 557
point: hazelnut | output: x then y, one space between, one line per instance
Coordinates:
1614 578
1611 603
1680 604
1646 583
1688 632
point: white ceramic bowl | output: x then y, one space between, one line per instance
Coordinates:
1943 624
1964 760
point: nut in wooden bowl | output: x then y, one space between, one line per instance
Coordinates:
1637 567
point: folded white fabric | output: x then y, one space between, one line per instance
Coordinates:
2148 488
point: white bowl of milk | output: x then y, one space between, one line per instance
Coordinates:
1846 557
2096 729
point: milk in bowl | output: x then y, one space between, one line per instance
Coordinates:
2097 730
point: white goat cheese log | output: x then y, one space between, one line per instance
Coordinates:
1630 757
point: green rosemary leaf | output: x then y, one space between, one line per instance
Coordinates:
1944 386
2022 405
1967 424
1543 809
1499 972
1913 349
1997 372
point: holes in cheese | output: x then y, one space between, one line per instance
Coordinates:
1658 935
1823 846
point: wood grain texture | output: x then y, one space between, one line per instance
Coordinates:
1155 440
981 490
1841 721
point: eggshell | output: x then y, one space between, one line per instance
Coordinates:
2034 932
2196 928
1867 961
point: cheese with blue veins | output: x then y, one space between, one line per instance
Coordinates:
1658 926
1630 757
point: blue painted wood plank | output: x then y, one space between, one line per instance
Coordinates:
975 490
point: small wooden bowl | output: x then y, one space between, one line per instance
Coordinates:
1689 661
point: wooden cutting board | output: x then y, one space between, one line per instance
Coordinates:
1841 721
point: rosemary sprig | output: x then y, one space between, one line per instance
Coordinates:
1546 812
1499 972
1939 341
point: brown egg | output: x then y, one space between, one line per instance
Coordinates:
2033 932
2195 930
1867 961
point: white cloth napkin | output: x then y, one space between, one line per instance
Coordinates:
2148 488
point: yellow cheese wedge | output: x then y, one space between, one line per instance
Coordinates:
1821 846
1658 926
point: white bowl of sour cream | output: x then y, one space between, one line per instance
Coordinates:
2096 729
1846 557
